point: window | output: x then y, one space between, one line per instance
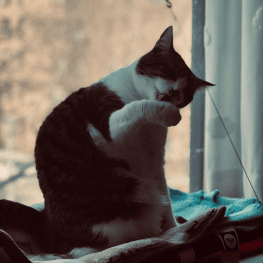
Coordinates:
51 48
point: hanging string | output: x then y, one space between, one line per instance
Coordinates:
169 5
232 143
207 90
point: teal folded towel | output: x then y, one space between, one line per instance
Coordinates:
189 205
238 210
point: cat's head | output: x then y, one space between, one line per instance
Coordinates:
169 77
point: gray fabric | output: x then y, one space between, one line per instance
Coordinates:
251 108
233 59
177 238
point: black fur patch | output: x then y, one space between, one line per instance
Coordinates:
164 62
81 185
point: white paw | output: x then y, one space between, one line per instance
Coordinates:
167 114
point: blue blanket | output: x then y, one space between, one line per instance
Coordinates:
204 211
189 205
238 210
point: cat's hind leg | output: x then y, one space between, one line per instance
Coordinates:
46 257
80 252
73 254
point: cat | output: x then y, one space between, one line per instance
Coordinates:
100 156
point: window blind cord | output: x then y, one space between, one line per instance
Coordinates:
169 5
232 144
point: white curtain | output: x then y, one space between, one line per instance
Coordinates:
233 39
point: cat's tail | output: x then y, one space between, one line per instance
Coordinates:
20 217
17 220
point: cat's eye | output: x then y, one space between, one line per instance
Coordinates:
181 73
164 66
175 93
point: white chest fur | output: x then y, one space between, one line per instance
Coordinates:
138 133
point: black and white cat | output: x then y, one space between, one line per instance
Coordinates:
100 156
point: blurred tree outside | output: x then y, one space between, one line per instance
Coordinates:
50 48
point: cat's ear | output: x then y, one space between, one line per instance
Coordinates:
165 43
203 84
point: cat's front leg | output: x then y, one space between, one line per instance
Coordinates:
168 219
133 115
163 113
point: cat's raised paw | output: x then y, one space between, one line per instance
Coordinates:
167 114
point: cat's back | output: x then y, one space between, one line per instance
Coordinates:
82 186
